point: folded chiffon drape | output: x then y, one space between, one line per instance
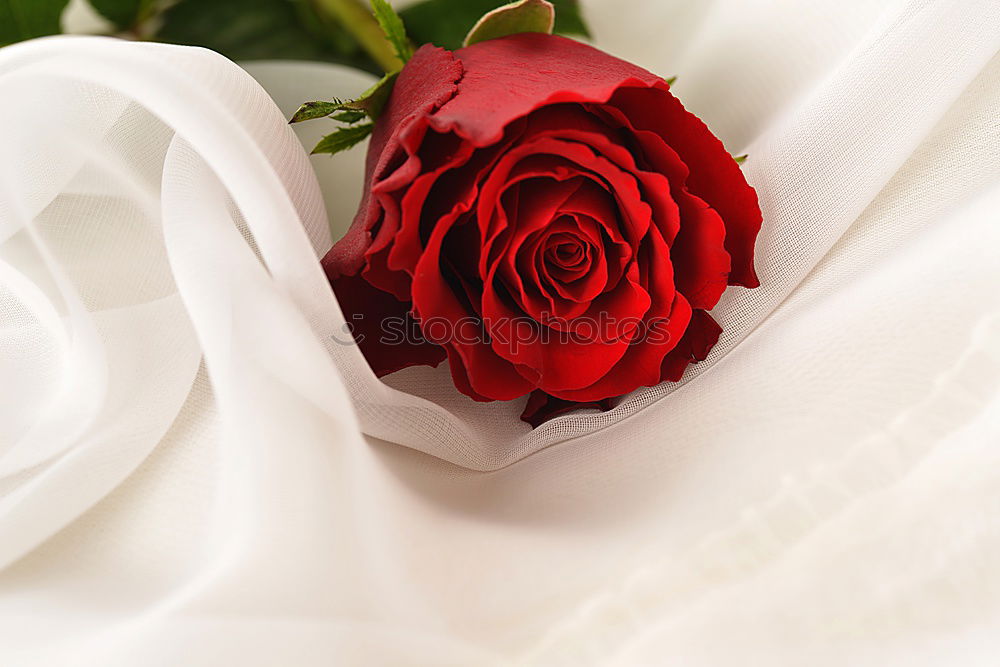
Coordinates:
198 468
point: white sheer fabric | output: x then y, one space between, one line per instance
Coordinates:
193 470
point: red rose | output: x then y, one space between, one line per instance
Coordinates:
553 218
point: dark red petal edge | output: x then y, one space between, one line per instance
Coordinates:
701 336
542 407
366 309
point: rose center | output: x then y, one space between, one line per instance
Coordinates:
567 252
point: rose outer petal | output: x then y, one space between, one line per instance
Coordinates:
427 82
372 314
714 175
507 78
699 339
701 262
542 407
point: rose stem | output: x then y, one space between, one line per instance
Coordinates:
357 19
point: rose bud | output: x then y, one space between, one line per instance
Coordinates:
551 216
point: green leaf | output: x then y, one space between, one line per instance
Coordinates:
520 16
313 110
740 159
445 23
671 80
262 30
25 19
343 138
350 117
370 103
393 28
124 13
373 100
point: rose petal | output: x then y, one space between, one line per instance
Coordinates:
534 209
427 82
714 175
594 203
435 298
559 160
542 407
585 281
397 246
562 361
507 78
662 327
373 314
701 263
699 338
589 126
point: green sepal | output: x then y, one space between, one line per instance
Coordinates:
517 17
740 159
445 23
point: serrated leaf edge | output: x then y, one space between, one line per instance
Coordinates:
371 103
393 28
355 135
